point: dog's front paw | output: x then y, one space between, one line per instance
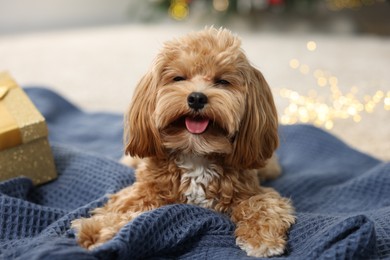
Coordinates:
258 247
98 229
94 231
87 233
262 224
263 237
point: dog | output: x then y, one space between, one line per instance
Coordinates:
204 122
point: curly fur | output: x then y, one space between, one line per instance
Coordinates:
218 168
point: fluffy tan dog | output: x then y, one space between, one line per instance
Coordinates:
204 121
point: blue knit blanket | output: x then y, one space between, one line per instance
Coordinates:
342 198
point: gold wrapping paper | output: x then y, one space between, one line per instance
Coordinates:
10 135
33 160
24 148
31 123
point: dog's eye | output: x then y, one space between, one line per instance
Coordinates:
178 78
222 82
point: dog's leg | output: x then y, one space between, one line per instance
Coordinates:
262 223
94 231
121 208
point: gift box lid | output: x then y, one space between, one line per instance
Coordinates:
20 120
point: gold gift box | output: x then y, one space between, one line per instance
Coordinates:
24 147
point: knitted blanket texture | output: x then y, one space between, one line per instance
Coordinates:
341 196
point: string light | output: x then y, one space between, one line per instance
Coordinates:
221 5
323 112
294 63
311 45
386 101
178 9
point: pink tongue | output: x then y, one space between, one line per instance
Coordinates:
196 126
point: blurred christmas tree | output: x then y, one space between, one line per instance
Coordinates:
182 9
369 14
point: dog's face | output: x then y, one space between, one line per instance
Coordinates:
202 97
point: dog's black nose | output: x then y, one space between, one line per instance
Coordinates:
196 100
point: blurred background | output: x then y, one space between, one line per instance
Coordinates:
327 61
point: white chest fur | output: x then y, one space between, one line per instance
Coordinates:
197 174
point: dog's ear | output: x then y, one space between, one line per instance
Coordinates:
257 137
141 137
